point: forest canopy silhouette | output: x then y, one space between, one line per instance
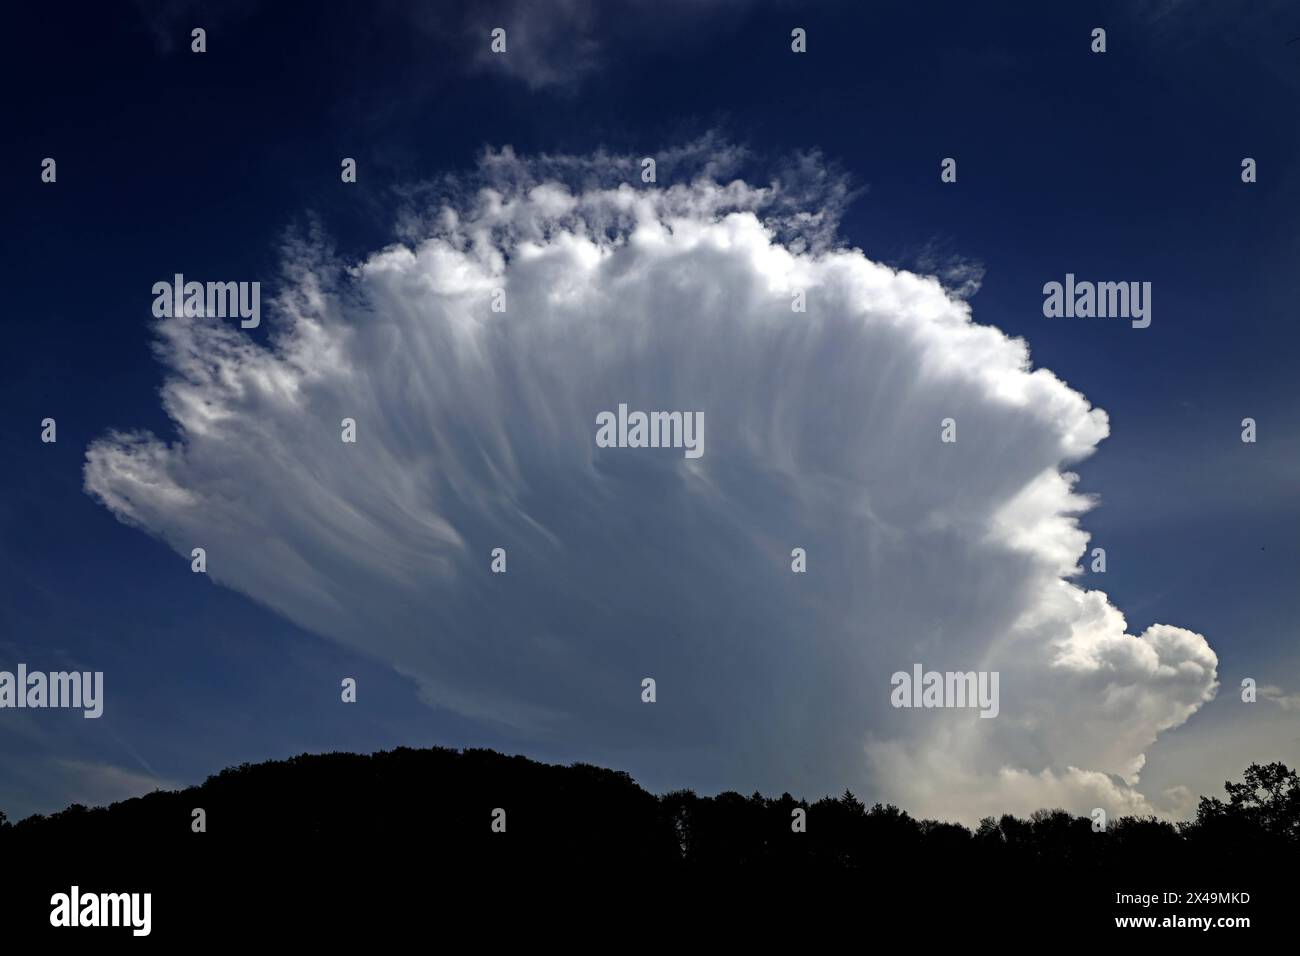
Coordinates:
582 814
324 841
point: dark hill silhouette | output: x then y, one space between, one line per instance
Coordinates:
337 830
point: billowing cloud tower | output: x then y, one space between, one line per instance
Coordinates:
475 430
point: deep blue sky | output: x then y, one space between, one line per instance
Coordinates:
1120 166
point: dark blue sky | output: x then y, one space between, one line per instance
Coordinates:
1117 166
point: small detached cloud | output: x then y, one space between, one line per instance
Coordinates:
1275 695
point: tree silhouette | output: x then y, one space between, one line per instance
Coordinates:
1266 802
280 825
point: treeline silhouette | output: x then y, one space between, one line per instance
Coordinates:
448 797
314 820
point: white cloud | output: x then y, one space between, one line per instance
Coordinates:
546 45
1275 695
559 44
476 430
962 277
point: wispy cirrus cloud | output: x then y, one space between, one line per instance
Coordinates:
1275 695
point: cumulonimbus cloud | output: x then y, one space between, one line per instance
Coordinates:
476 430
